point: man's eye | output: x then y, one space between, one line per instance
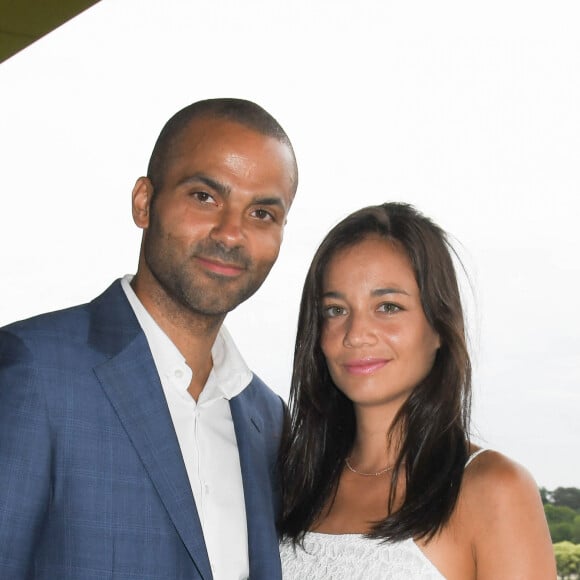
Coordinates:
203 196
262 214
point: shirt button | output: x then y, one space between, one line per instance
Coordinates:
206 488
178 373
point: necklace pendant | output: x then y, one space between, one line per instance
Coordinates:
351 468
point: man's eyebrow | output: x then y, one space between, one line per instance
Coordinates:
271 200
221 188
225 190
376 292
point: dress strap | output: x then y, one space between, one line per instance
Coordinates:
474 455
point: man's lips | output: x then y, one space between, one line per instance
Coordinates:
365 366
221 268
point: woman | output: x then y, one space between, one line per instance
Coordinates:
379 477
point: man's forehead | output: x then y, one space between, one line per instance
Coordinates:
218 132
216 125
221 132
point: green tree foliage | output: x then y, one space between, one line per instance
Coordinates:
563 518
562 507
567 559
557 514
561 532
576 530
566 496
546 495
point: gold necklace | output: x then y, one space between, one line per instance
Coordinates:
347 462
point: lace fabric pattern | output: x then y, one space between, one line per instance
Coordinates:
354 557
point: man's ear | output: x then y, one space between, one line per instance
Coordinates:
141 202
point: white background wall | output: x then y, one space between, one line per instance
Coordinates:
468 110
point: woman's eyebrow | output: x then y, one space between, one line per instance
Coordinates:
376 292
383 291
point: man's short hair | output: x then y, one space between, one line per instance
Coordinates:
239 111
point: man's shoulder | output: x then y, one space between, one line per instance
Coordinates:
266 408
55 328
263 400
258 388
47 320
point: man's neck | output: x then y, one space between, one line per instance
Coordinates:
192 333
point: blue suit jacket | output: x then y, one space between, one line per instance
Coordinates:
92 481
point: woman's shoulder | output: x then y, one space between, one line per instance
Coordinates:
499 495
491 483
491 477
496 486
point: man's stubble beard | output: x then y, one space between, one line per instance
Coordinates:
196 293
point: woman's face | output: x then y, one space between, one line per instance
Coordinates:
375 337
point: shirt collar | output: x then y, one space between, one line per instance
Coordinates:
229 376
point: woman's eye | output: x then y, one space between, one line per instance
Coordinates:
389 307
333 311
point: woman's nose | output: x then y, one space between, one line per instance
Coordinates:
359 331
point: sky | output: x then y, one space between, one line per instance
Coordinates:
467 110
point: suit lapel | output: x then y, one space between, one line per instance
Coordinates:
262 536
131 382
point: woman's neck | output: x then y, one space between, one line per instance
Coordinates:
374 448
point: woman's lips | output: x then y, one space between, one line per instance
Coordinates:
365 366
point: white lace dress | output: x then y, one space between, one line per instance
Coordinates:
354 557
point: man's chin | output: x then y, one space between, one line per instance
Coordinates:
217 302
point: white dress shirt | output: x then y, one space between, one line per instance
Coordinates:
206 436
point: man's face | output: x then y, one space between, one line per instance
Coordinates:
214 228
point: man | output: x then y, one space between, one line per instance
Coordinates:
134 441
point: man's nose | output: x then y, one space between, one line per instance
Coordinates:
228 228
